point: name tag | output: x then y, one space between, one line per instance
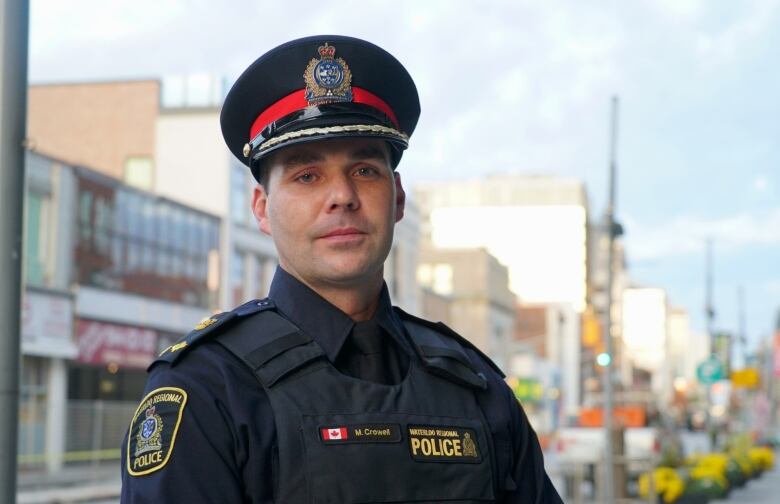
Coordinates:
434 443
360 433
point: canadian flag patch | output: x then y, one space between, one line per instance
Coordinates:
334 433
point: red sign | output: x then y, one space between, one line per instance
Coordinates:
777 353
101 343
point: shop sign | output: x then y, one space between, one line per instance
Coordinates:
526 389
101 343
47 325
625 416
745 378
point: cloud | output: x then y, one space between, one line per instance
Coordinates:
687 234
678 10
760 184
772 287
729 43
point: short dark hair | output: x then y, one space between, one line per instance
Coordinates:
261 171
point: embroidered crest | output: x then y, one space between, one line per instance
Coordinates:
148 437
153 430
328 79
469 448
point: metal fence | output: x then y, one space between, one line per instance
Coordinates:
583 483
93 432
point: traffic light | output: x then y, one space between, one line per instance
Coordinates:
603 359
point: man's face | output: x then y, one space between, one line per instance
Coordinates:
330 207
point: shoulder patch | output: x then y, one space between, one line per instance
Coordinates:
210 326
442 328
153 430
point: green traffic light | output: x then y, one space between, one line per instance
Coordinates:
603 359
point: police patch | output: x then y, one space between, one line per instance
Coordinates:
430 443
153 430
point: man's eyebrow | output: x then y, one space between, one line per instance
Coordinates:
300 158
368 153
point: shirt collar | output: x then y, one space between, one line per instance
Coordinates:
329 326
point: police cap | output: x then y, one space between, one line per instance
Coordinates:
317 88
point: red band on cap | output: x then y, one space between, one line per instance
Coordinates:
297 101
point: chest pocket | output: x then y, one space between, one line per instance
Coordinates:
382 458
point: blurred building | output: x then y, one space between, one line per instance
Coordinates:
648 345
195 167
687 349
535 225
551 333
109 126
48 343
113 275
536 383
481 306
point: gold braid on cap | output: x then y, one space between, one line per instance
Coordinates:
351 128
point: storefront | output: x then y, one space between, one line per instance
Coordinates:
106 381
47 344
112 359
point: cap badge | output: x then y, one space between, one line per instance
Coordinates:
328 79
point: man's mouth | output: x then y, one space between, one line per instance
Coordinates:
344 233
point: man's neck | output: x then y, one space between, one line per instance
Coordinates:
359 302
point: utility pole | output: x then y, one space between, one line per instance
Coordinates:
709 309
609 459
742 337
14 20
709 312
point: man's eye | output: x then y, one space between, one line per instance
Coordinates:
366 171
305 177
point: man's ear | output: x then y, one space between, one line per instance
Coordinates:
400 197
260 209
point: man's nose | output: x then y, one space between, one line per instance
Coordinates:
343 194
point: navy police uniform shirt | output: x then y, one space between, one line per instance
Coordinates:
205 431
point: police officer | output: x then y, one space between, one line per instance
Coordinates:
324 392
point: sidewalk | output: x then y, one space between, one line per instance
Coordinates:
71 485
764 490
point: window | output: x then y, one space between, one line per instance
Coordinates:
436 276
239 195
139 172
142 244
442 279
35 244
237 277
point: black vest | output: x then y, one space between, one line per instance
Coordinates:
346 440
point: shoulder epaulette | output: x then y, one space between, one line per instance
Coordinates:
442 328
210 326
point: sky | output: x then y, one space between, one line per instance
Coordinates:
513 86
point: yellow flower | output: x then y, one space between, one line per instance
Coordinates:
666 482
712 473
674 489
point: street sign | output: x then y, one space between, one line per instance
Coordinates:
745 378
710 370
